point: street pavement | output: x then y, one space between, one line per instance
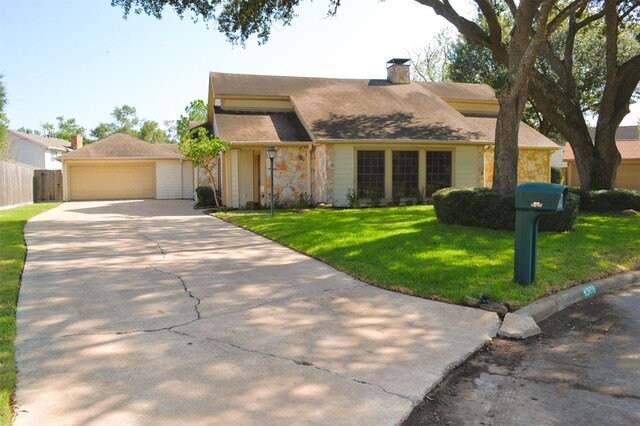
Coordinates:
583 370
151 313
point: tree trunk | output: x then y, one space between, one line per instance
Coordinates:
505 160
213 186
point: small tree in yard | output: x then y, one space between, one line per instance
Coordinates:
203 149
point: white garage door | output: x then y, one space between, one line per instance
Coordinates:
112 181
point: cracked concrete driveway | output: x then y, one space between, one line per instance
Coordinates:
147 312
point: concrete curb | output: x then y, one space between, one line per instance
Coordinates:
544 308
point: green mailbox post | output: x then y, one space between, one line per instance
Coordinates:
533 200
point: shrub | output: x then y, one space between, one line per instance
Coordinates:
303 201
352 199
602 201
556 175
561 221
205 196
277 201
484 208
396 197
420 196
375 198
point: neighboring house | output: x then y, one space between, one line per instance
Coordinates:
123 167
628 175
336 135
41 152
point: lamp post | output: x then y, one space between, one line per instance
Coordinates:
271 152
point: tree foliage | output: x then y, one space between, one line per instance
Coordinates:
64 128
238 20
203 149
126 120
196 111
4 121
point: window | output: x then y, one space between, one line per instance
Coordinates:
370 172
438 170
405 173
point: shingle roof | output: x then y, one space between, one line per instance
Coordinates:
43 140
624 133
527 137
260 126
462 91
357 109
629 150
347 109
120 145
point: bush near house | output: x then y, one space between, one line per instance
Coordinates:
557 176
205 196
602 201
484 208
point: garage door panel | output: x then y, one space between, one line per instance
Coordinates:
628 176
112 182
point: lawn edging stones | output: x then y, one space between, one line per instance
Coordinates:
522 328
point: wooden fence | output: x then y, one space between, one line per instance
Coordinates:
47 185
16 185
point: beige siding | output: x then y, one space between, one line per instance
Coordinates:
187 180
629 175
245 176
233 171
111 181
168 180
465 167
343 174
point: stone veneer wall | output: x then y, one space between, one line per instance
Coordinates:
533 165
289 173
322 174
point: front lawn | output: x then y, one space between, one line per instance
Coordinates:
406 249
12 256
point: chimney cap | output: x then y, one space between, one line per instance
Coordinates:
397 61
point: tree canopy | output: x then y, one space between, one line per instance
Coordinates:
196 111
126 120
588 69
4 120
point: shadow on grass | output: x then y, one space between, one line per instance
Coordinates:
407 249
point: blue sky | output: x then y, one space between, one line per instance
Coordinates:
80 58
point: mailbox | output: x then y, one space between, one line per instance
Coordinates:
533 199
541 197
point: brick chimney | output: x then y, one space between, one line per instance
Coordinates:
398 71
76 142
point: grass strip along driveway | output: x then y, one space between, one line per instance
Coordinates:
12 256
406 249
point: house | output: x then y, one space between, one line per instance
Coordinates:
332 136
123 167
41 152
628 175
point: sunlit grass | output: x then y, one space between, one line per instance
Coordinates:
12 255
408 250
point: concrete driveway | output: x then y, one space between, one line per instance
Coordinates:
148 312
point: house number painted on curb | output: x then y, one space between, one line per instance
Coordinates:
589 290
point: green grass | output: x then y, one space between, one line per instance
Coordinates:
12 255
406 249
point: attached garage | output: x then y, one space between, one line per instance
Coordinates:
121 167
99 181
